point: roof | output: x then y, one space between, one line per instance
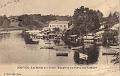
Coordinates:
88 37
99 32
116 26
73 35
59 22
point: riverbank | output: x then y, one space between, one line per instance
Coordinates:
12 28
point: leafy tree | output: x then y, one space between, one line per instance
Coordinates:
4 21
109 37
30 21
112 19
86 20
1 20
116 17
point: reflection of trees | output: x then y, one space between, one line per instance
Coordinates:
4 36
77 58
116 59
92 52
57 41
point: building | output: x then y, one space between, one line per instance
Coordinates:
89 38
62 25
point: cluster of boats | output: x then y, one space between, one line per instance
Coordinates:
31 37
84 54
29 40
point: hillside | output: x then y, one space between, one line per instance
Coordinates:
35 21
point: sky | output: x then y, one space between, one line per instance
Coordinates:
55 7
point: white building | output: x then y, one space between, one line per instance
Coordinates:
62 25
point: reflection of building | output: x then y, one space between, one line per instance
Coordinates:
62 25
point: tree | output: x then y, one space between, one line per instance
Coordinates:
86 20
4 21
112 19
1 20
109 37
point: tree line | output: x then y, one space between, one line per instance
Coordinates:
84 20
38 20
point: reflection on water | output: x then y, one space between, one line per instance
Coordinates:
88 56
14 50
4 36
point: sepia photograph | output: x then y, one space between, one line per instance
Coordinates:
59 38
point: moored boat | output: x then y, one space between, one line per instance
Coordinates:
61 54
29 40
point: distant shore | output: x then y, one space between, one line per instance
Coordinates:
12 28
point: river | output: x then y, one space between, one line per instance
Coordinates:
13 50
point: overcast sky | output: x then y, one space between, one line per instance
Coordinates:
56 7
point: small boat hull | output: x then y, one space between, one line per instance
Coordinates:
61 54
30 41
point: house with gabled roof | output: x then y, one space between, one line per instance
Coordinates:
62 25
